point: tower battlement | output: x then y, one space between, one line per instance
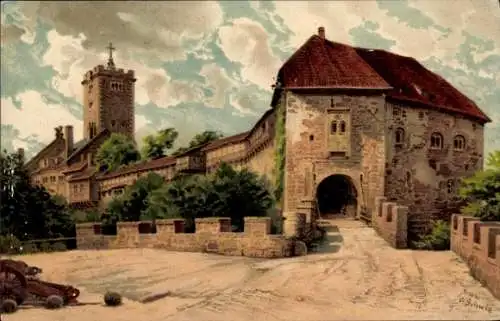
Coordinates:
101 70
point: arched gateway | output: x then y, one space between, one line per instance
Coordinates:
336 195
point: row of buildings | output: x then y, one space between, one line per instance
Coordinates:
358 124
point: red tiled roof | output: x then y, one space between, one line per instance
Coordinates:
321 63
85 174
413 82
226 141
142 166
75 167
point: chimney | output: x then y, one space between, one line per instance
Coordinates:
68 139
321 32
89 160
20 152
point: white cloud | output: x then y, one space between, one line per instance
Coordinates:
71 60
157 29
218 81
246 42
36 117
339 17
243 104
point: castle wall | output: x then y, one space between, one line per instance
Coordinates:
312 154
424 178
213 235
261 150
390 221
478 244
262 162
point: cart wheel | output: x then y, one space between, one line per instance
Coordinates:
54 302
9 306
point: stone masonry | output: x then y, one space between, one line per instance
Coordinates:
311 157
423 177
213 235
478 244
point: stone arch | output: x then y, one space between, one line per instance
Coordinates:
338 195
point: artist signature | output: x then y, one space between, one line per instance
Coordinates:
469 299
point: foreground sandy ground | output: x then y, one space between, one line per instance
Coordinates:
357 276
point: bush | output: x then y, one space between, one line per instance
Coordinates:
30 248
482 191
438 239
9 244
45 247
312 237
59 247
276 220
112 299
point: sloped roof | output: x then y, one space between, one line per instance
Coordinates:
84 143
142 166
413 82
79 144
84 174
226 141
321 63
40 153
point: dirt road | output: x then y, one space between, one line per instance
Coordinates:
357 276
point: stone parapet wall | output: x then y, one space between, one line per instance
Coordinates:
478 243
390 221
213 235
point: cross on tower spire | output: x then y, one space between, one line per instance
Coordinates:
111 63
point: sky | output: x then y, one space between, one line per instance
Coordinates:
210 65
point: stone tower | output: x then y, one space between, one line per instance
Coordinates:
108 99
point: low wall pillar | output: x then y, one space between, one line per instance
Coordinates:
257 226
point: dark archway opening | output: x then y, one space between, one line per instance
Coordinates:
336 195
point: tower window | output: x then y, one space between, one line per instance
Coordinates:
421 115
399 137
396 111
333 127
113 123
116 86
451 186
459 143
436 141
311 138
342 126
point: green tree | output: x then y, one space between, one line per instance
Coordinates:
482 191
29 212
205 137
226 193
200 139
186 197
240 193
131 205
156 146
116 151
